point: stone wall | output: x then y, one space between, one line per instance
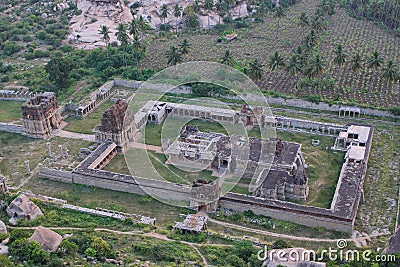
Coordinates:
271 100
11 128
137 185
298 218
57 175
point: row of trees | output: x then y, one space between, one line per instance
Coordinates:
385 11
131 34
221 7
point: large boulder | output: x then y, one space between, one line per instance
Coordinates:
3 228
393 246
22 208
48 239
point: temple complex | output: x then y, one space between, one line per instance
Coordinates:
286 177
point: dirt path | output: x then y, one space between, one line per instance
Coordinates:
67 134
34 172
156 149
266 233
285 236
150 234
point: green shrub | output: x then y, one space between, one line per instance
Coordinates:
5 78
395 111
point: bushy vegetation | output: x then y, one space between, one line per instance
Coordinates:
385 12
241 255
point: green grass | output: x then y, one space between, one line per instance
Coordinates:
87 124
57 216
324 166
155 168
93 197
10 110
15 149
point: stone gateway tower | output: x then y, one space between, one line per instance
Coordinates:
41 116
204 194
117 125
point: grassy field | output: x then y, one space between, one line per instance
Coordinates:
93 197
323 166
87 124
16 149
155 168
10 110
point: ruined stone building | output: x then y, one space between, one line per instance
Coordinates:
41 116
278 164
117 125
204 194
252 117
156 112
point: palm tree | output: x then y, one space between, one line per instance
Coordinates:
340 59
142 24
134 28
123 38
177 13
138 47
228 59
255 70
315 68
275 62
301 55
318 24
356 64
310 40
208 5
303 22
390 71
174 56
327 7
375 61
196 7
184 47
105 32
222 8
279 13
164 12
294 67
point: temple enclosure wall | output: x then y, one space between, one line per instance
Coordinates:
174 192
11 128
137 185
270 100
298 218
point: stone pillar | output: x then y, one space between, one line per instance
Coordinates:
28 168
49 149
60 150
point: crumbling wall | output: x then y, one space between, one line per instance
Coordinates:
298 218
10 128
56 175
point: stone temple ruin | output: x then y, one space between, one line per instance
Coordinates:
116 125
41 116
287 178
